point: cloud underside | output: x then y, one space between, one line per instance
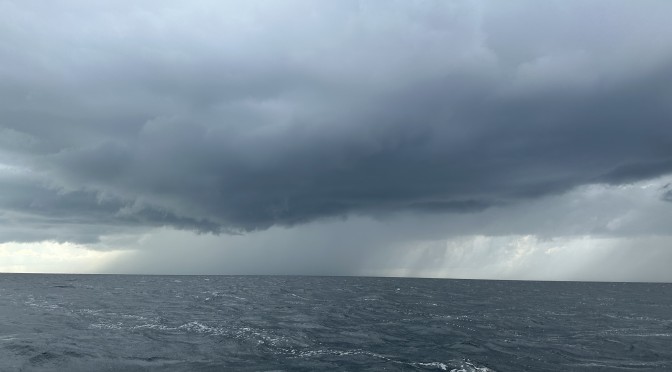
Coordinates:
119 118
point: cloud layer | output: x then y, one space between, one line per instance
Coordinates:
229 117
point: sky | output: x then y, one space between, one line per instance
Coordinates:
460 139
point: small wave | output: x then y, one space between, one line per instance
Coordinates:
115 326
649 334
197 327
131 316
466 366
460 365
632 332
297 296
439 365
261 337
89 311
658 365
155 326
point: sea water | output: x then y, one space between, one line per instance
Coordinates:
274 323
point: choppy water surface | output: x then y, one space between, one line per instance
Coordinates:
212 323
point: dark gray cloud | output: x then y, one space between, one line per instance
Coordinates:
32 209
229 117
667 196
667 192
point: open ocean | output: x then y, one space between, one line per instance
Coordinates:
274 323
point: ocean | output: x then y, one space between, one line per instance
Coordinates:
277 323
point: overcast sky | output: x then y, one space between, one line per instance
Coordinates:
471 139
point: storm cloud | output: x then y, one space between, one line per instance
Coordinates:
235 117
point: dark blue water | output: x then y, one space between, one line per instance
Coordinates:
213 323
